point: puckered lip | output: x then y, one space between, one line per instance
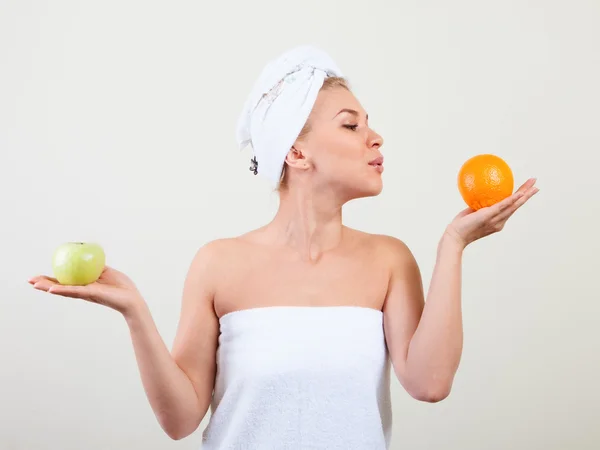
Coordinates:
377 161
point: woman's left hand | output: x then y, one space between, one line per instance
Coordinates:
469 226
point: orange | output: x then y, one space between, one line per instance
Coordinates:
484 180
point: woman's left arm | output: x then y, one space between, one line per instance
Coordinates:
425 339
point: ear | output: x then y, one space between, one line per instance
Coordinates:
296 159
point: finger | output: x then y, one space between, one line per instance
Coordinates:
37 278
52 286
510 201
44 284
520 202
527 185
525 197
505 204
463 213
82 292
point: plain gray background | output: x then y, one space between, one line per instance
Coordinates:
117 123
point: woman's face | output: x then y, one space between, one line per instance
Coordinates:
343 153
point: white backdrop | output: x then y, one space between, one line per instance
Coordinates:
117 124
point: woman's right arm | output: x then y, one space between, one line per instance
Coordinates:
179 384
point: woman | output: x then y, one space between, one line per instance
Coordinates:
288 332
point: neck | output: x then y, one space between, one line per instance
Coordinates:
309 222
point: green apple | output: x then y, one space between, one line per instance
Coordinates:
78 263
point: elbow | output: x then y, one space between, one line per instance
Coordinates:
176 433
176 430
176 436
432 394
181 425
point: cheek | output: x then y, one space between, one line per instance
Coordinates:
342 150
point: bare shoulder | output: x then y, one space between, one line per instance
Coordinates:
220 257
390 244
208 255
214 254
217 248
401 263
390 248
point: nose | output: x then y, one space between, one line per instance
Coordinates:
375 140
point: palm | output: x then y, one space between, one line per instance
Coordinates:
469 225
113 289
112 278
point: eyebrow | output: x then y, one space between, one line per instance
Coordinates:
351 111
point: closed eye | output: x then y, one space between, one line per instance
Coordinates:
351 127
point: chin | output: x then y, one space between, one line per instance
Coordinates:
368 188
376 190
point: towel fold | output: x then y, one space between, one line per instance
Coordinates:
279 105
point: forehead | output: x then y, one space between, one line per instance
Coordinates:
330 101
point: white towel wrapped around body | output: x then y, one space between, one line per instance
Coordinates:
301 378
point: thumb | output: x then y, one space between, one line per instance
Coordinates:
463 213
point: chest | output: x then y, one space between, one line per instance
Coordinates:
271 280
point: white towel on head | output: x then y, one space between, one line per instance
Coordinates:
280 103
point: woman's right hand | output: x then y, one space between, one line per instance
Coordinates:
113 289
